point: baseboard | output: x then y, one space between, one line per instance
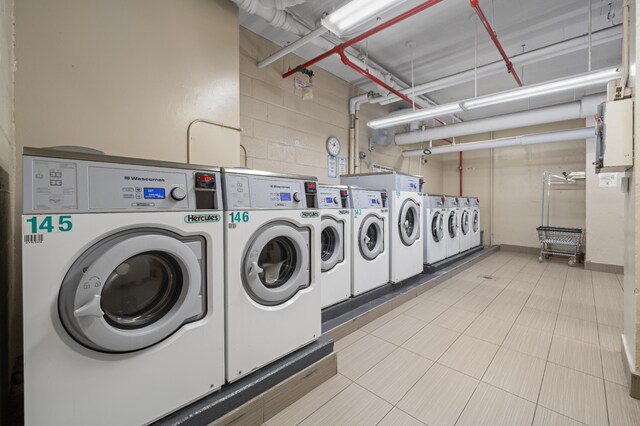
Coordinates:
520 249
603 267
633 378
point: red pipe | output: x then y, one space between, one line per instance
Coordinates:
339 49
460 167
476 5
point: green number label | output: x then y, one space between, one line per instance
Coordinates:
358 212
46 224
239 217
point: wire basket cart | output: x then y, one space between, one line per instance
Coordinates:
555 240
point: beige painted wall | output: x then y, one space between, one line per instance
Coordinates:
605 213
517 183
7 195
283 133
127 77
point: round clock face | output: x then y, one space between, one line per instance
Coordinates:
333 146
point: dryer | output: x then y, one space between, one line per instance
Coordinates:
405 219
452 234
435 218
370 239
272 246
464 204
335 244
475 222
122 287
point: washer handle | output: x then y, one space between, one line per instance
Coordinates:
254 270
90 309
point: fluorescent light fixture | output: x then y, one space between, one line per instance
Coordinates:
421 114
555 86
355 13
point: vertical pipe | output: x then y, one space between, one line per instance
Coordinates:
492 183
356 148
590 34
460 167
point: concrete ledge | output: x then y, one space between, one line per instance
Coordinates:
262 394
603 267
633 378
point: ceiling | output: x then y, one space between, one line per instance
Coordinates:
445 37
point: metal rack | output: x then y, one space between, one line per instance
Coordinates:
555 240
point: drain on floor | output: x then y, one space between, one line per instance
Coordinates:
485 277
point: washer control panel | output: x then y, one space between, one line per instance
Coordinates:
333 197
368 199
69 185
258 192
451 202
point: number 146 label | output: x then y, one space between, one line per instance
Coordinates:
47 224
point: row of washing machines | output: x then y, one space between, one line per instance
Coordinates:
453 226
148 285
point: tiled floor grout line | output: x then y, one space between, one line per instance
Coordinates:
494 355
604 385
544 372
330 399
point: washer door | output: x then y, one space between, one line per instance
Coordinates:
476 220
452 225
331 243
277 263
371 237
437 226
409 224
132 290
464 222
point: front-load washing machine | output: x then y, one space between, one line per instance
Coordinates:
452 234
405 219
370 239
465 223
475 222
435 218
335 244
122 288
272 240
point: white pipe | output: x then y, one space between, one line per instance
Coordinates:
626 6
558 49
534 139
275 17
570 111
293 46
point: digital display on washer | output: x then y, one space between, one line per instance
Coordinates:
329 199
154 193
285 196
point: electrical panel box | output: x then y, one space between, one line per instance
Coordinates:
614 145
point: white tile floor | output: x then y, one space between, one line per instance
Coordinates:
536 344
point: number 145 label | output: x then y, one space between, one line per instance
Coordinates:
47 224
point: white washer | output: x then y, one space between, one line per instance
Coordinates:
452 226
475 222
370 239
272 239
335 243
122 288
465 223
435 217
405 219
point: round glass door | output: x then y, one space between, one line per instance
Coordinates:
452 225
464 222
331 243
276 263
371 237
476 220
437 226
133 290
409 224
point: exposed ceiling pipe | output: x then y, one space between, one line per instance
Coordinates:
292 47
494 37
548 52
583 108
534 139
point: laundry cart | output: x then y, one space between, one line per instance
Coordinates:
558 240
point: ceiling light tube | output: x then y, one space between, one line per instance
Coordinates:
555 86
355 13
415 116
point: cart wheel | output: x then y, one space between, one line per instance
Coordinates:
540 259
572 261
